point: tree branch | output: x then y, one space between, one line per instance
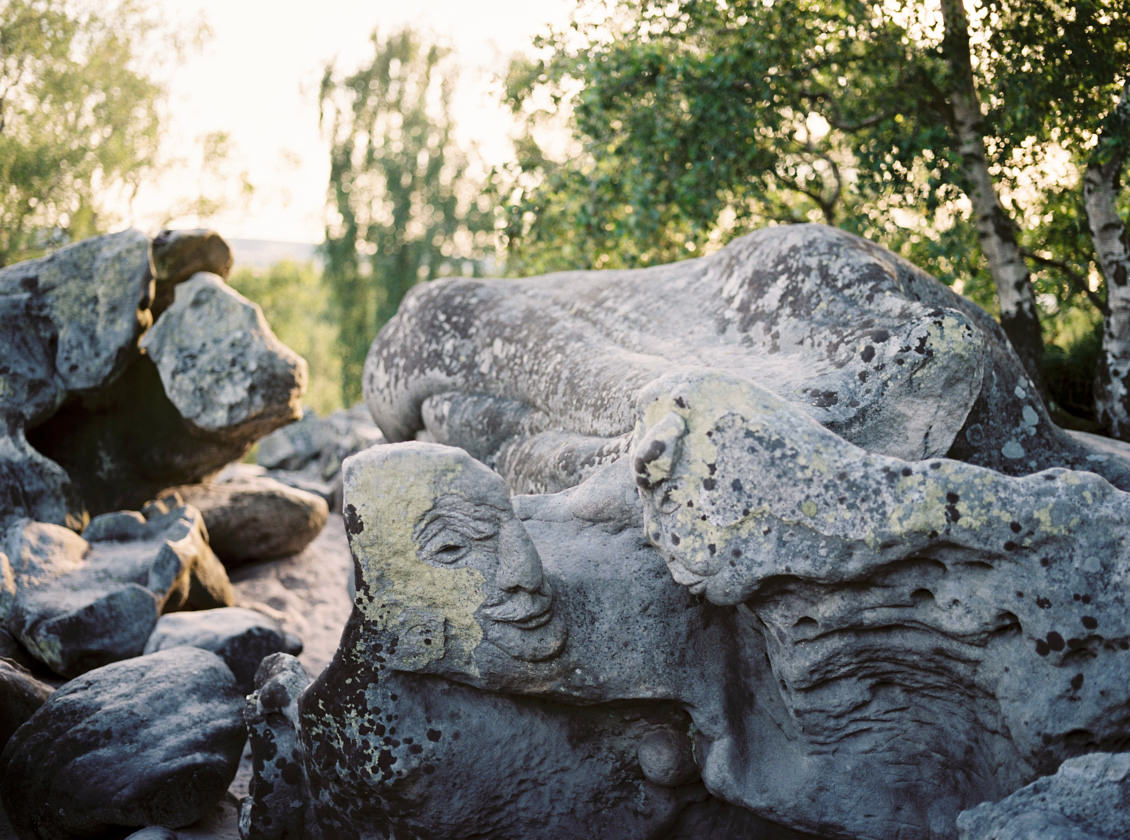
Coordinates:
1075 277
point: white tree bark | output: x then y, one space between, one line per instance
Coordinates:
1101 185
995 228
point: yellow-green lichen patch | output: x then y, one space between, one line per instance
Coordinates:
403 595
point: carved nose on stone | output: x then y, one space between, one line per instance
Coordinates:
519 566
656 453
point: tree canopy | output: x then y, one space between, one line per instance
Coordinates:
939 134
79 117
402 210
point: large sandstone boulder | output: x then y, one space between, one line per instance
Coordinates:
91 422
69 323
79 602
149 741
794 505
398 732
539 377
253 517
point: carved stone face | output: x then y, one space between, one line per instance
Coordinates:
444 562
473 526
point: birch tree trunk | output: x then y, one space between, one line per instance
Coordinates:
1101 184
995 228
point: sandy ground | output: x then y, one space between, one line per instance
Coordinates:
308 594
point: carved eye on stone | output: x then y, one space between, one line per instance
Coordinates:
448 552
445 549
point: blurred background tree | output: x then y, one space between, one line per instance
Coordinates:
79 117
298 309
401 207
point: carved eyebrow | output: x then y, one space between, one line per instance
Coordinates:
476 520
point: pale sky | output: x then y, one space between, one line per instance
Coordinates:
257 78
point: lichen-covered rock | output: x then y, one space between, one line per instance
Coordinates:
68 324
239 636
998 603
398 735
802 494
1086 799
82 308
277 806
253 517
153 740
88 424
221 366
79 602
21 695
538 377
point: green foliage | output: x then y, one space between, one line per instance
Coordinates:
697 120
294 301
1070 359
78 118
403 209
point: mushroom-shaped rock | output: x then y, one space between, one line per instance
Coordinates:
239 636
153 740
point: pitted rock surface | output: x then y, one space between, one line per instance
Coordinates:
1084 800
278 803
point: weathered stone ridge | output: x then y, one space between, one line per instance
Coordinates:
538 377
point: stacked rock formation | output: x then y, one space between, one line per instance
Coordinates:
128 367
803 547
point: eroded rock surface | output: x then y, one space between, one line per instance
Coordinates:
153 740
453 599
1084 800
68 324
538 378
806 508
